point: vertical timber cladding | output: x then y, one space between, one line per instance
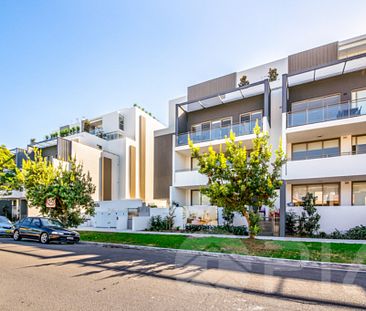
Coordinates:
132 166
142 157
308 59
107 179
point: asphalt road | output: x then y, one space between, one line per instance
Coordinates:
86 277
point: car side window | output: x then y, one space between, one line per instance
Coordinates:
26 222
36 222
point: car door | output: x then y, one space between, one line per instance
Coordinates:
24 227
35 229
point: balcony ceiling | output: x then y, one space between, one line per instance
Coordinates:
223 98
338 68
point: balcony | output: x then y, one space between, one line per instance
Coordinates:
239 129
189 178
331 112
346 165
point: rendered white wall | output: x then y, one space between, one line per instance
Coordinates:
140 223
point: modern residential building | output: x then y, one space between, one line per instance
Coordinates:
116 149
315 101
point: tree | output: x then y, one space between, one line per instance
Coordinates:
240 183
243 81
308 222
8 171
67 184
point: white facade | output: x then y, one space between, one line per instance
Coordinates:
344 170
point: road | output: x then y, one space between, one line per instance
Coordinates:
86 277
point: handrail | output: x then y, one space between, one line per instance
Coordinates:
240 129
328 112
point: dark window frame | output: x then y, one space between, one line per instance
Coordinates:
315 141
317 184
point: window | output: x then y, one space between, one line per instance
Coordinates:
315 150
197 198
359 193
251 117
359 144
26 221
326 194
36 222
194 164
121 122
359 100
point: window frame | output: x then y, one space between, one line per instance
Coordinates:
317 184
355 182
356 137
314 99
250 115
316 141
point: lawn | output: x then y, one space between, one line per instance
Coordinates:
315 251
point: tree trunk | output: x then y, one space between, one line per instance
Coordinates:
246 216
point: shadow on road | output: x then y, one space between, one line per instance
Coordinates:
187 268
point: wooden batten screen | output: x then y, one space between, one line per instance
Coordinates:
107 179
132 174
142 157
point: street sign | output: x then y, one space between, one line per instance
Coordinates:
51 202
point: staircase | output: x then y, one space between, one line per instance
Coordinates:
267 228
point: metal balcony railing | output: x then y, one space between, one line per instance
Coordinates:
239 129
328 112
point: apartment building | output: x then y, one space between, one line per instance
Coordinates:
115 148
316 105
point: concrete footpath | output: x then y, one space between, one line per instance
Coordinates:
268 238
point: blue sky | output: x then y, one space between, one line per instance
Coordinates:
65 59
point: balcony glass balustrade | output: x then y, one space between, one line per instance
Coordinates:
328 112
239 129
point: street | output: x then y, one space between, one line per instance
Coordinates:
87 277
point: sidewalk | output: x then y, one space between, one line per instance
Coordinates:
203 235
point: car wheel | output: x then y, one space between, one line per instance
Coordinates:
16 236
44 239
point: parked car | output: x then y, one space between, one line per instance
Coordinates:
44 230
6 227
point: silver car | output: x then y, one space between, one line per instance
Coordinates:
6 227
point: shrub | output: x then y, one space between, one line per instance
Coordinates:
291 223
158 223
356 233
240 230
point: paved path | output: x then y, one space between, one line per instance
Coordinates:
86 277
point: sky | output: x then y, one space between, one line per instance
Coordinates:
62 60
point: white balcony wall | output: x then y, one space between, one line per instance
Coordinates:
342 166
338 217
189 179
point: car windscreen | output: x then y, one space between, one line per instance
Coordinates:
46 222
4 220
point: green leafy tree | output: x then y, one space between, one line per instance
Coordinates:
240 183
67 184
8 171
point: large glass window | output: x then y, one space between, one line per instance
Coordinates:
359 144
314 150
197 198
314 110
359 193
359 101
326 194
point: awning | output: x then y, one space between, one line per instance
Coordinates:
337 68
250 90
